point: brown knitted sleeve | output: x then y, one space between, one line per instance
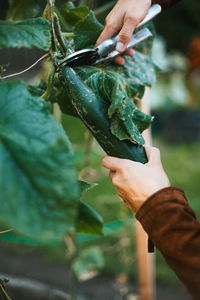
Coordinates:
172 226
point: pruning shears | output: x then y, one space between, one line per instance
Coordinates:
105 52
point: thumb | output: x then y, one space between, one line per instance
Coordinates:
153 155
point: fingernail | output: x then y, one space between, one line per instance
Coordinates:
120 46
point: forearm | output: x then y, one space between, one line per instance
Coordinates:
172 226
165 3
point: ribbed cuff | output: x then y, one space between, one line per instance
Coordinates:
165 194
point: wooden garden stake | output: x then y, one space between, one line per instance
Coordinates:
145 260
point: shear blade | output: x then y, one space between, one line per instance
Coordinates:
81 58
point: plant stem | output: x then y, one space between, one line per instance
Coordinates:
88 148
57 113
73 285
30 67
86 158
53 35
68 34
59 34
71 244
6 231
62 19
48 91
4 292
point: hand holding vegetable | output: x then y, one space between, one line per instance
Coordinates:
123 18
136 182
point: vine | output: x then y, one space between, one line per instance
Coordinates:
27 69
3 289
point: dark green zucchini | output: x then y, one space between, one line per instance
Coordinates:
92 110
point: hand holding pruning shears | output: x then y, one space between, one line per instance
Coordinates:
124 18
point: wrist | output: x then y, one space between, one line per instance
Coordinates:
138 204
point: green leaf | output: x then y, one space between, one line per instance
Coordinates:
73 15
21 10
110 228
139 68
85 186
90 260
39 191
28 34
118 89
87 31
88 221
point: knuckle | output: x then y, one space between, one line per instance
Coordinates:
108 17
107 20
130 18
124 37
110 23
122 169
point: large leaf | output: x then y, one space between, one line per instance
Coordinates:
87 31
24 9
88 220
28 34
39 191
118 89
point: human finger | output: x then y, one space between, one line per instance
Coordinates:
126 32
153 155
119 60
109 31
130 52
111 163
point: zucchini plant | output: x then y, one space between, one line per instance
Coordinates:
40 194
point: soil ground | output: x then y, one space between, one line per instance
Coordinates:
103 287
